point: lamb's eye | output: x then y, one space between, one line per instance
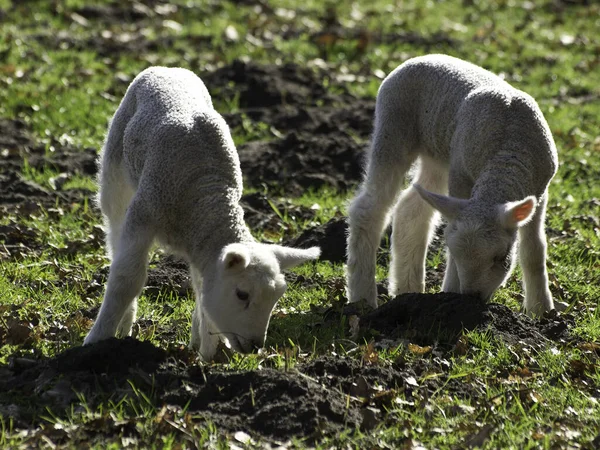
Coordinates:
242 295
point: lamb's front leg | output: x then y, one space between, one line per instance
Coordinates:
368 215
126 279
204 339
365 223
411 231
532 254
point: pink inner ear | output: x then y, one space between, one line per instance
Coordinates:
522 212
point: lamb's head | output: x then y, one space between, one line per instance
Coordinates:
247 284
481 240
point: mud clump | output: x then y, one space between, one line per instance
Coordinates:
301 161
170 273
330 237
109 356
315 398
267 86
442 317
321 136
268 402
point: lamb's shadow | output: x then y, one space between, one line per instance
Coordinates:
423 319
429 318
440 319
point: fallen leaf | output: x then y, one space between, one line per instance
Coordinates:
17 332
418 350
370 355
242 437
354 322
231 34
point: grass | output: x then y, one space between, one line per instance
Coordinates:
64 75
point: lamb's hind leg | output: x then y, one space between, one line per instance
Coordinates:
114 198
532 254
126 277
413 225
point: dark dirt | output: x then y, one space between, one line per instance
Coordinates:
331 237
441 318
323 140
308 400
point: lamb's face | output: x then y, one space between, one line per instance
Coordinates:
481 239
484 255
247 286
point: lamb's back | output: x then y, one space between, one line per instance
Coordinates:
427 92
181 157
175 130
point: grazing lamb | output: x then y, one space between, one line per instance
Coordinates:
476 137
170 172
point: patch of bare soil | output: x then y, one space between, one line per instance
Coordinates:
18 194
323 135
313 399
441 318
268 403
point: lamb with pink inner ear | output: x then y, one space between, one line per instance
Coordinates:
482 156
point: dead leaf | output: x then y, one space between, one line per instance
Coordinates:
370 355
578 368
326 39
354 322
231 34
384 399
418 350
242 437
17 332
462 346
411 381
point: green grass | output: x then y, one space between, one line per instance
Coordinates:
65 77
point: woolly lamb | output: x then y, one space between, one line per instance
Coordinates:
170 172
476 137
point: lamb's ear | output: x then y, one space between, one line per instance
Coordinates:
517 214
290 257
450 207
235 257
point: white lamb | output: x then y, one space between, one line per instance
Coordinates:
170 172
476 137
